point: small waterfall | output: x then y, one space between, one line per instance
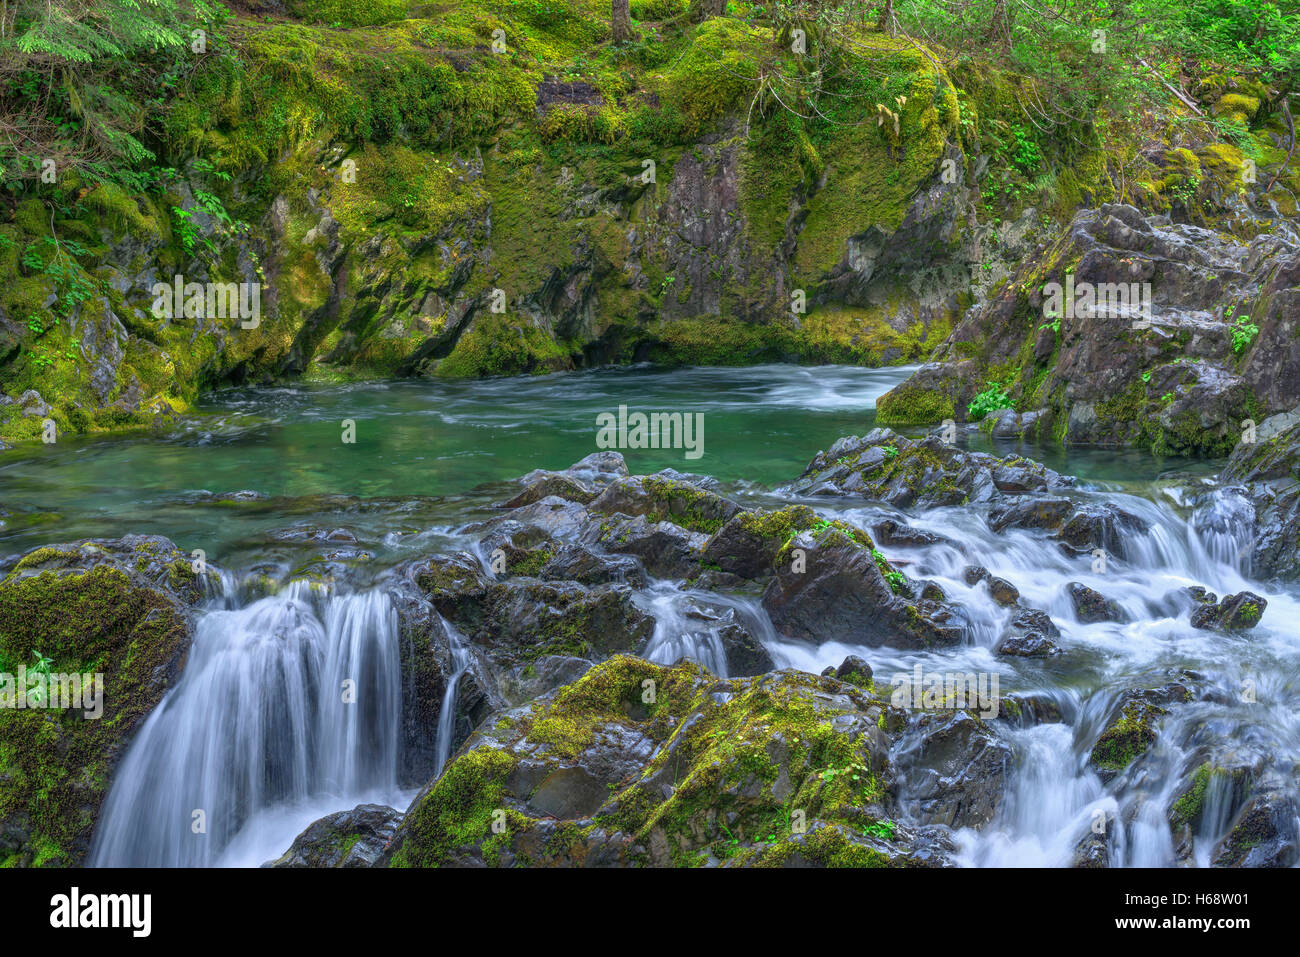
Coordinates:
683 629
290 700
1221 528
460 658
1051 804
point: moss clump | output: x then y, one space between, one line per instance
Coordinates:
349 13
696 509
913 405
458 810
497 344
1187 809
55 764
718 72
1128 738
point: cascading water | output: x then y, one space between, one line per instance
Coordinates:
287 705
460 659
1053 797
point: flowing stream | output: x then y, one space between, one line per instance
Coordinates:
259 738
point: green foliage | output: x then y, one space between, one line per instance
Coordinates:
87 82
348 13
991 399
1243 334
893 576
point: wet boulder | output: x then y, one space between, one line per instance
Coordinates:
891 533
1029 708
957 771
520 619
888 467
580 482
666 550
747 545
1029 633
558 484
832 585
1080 528
1265 832
1091 606
1029 645
640 764
744 653
1239 612
852 669
667 496
1131 728
355 838
1000 590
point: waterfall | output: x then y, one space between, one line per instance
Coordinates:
460 658
289 701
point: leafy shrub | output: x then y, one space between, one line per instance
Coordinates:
992 399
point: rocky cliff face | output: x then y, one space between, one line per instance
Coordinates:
435 208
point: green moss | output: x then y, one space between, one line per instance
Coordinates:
1128 738
349 13
721 767
1187 809
54 764
458 810
685 505
498 344
912 405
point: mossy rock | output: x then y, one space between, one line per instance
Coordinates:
636 763
105 608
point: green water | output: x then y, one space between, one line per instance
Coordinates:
431 450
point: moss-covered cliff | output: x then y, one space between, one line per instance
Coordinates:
494 187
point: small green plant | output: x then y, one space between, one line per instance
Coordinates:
1243 334
189 234
1146 376
895 578
992 399
881 829
890 451
1167 397
36 695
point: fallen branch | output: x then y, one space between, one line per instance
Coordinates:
1182 97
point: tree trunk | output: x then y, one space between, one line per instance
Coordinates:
621 20
705 9
886 24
